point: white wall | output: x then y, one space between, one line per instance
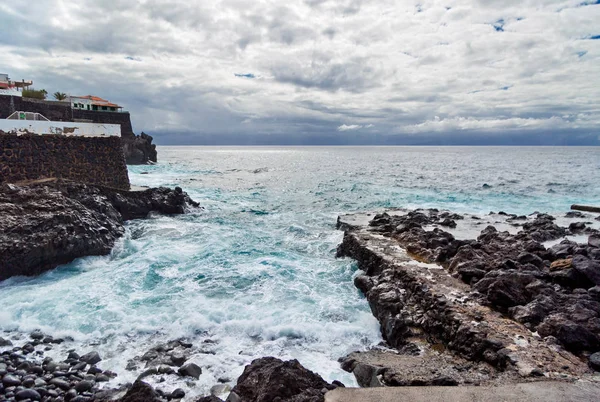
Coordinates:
60 127
11 92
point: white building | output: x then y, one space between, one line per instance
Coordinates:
93 103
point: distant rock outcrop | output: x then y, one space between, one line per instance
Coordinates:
46 225
139 150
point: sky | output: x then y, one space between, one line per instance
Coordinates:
321 71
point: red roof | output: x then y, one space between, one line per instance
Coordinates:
97 101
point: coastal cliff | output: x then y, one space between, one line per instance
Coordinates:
52 223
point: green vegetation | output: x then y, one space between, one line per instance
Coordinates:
59 96
34 93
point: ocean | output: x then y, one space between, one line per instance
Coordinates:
254 273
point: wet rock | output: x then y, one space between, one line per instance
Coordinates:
5 342
81 220
177 394
84 386
190 370
91 358
594 241
269 379
60 383
141 392
30 394
10 381
576 227
219 389
595 361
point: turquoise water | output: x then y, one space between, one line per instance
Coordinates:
255 270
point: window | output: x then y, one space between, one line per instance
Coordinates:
94 107
88 107
112 109
104 108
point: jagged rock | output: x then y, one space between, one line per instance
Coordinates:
141 392
589 268
573 335
46 225
139 150
269 379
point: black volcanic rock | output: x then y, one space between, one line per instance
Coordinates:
46 225
553 291
139 150
141 392
269 379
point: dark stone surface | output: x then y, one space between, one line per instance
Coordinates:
141 392
92 160
269 379
544 289
190 370
43 226
139 150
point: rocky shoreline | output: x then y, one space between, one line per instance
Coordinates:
461 300
51 223
501 308
26 374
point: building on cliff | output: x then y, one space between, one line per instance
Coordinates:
138 149
10 87
93 103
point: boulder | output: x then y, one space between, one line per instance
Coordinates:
91 358
140 392
190 370
269 379
587 267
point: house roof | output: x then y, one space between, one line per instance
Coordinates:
97 101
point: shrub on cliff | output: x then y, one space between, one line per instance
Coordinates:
35 93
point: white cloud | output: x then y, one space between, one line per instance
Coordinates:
350 127
394 64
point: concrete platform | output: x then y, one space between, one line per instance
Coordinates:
544 391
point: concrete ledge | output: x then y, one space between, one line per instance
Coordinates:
526 392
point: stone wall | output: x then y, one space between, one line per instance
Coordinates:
53 111
92 160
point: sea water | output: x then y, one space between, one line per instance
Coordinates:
254 272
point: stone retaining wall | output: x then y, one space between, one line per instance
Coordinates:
92 160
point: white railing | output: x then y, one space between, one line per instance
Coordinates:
27 116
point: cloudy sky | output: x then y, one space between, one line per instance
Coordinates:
314 71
